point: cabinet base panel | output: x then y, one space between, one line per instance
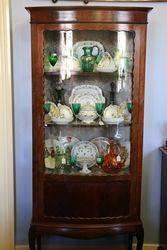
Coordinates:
36 231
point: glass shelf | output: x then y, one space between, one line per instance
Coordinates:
93 124
85 74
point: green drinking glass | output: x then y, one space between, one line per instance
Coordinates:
100 108
76 108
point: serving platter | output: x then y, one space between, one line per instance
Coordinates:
86 94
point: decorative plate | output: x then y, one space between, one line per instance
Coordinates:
86 153
103 145
86 94
78 48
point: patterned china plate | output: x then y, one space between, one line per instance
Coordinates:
86 153
86 94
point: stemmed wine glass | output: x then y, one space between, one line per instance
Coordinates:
100 108
76 108
129 107
118 135
99 160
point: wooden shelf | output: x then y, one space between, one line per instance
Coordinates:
123 174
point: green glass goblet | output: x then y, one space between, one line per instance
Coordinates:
76 108
46 107
53 58
100 160
100 108
129 107
73 160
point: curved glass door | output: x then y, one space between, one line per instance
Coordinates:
88 101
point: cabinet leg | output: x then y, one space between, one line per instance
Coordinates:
31 237
140 238
130 241
39 242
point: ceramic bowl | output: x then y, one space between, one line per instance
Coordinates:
113 114
87 114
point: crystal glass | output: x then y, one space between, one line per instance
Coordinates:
100 108
76 108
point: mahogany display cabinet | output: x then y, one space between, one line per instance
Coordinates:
88 74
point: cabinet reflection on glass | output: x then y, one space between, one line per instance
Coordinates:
88 101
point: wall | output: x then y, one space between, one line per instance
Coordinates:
155 129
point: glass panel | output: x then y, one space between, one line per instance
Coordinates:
88 101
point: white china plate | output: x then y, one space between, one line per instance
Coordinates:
86 153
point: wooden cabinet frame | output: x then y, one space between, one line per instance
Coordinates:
89 18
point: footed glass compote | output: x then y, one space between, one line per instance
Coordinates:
85 169
100 108
76 108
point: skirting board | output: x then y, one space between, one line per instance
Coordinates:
145 247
